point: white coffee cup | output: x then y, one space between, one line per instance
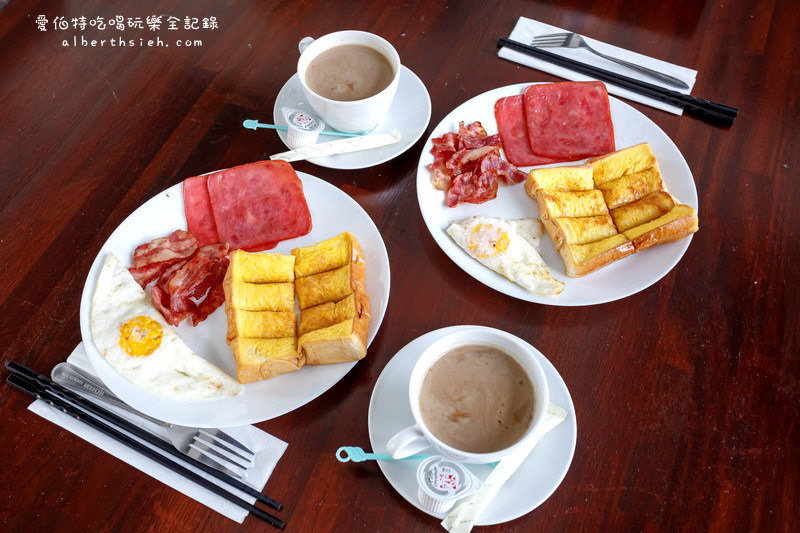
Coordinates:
357 116
418 437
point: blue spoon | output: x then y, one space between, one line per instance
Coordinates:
357 455
252 124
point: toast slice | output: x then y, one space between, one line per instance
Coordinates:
582 230
571 178
678 223
558 204
263 324
340 343
259 359
626 161
641 211
580 259
632 187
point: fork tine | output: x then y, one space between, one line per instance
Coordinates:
562 35
219 453
219 434
550 44
213 459
207 439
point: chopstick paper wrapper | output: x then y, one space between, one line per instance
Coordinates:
526 29
462 518
268 450
343 146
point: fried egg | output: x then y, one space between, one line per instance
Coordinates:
508 248
136 340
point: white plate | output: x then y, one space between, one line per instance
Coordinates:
409 114
617 280
538 476
332 212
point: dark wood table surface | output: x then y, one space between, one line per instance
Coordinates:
687 393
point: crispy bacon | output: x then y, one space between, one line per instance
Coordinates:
475 136
472 188
144 275
507 173
214 298
174 247
183 275
468 165
463 157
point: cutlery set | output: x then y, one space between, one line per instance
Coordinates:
172 456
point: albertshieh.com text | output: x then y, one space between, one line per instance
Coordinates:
82 41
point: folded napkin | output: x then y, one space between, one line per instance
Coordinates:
268 450
463 516
526 29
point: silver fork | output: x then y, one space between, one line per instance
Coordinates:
212 447
573 40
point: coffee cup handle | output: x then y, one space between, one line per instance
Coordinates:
408 442
304 43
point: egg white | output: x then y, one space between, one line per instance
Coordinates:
508 248
173 369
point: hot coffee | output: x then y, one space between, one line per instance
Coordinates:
349 72
477 398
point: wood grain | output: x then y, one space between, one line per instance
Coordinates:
687 394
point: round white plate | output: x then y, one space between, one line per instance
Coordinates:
612 282
538 476
332 212
409 114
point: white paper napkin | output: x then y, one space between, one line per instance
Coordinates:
268 450
526 29
463 516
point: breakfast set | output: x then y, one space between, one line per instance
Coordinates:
243 293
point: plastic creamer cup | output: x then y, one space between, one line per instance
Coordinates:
442 481
304 128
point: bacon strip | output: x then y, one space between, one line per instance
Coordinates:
176 246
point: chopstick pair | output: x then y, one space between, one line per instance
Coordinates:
713 112
37 385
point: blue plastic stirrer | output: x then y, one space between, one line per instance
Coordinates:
357 455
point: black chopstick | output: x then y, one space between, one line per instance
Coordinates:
720 114
41 386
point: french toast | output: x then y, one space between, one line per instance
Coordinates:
334 305
611 207
259 304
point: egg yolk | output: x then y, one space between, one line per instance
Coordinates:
494 244
140 336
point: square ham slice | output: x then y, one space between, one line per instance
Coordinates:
510 117
197 208
258 205
569 120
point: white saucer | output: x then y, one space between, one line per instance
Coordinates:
409 114
534 482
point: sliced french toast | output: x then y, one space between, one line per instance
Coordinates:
262 325
334 305
611 207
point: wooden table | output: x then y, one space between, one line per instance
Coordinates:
687 394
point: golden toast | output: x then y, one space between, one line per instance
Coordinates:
334 305
624 208
262 325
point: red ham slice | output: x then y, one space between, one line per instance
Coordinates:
257 205
197 208
569 120
510 117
